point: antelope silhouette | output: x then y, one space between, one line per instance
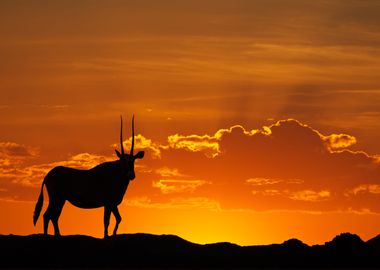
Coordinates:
101 186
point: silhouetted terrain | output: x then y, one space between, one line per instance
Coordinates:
159 251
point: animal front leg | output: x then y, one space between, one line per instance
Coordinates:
116 213
107 215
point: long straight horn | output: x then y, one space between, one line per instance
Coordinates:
121 136
133 134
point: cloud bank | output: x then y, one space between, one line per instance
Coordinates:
284 166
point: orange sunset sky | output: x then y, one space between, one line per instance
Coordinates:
260 119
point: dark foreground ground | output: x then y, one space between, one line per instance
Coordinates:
137 251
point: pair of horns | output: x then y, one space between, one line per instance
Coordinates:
121 135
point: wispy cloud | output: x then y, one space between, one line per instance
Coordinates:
176 203
178 186
169 172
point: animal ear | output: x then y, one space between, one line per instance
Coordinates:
140 154
118 154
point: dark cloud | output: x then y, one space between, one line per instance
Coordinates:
12 149
288 165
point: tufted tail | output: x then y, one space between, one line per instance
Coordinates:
40 202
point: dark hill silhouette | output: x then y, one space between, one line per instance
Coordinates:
159 251
374 244
346 241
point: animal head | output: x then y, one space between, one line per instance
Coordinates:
128 160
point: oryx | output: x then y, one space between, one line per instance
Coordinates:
101 186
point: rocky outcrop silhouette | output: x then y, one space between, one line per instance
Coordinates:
158 251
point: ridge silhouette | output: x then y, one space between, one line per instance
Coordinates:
162 251
101 186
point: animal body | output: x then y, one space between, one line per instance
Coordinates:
101 186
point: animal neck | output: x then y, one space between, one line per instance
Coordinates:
123 170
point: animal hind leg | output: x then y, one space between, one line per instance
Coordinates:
116 213
47 217
56 212
107 215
